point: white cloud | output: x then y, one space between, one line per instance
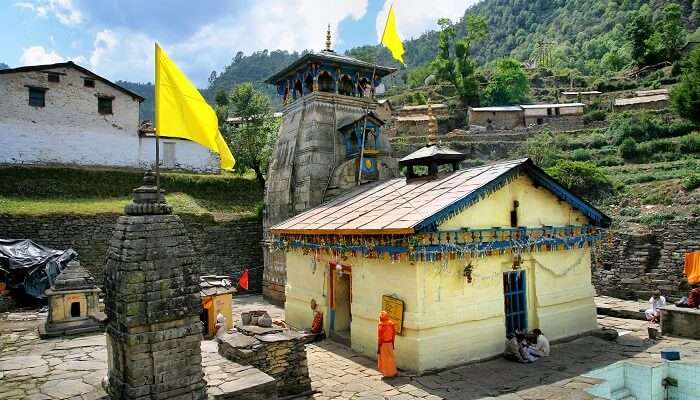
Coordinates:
39 55
415 17
63 10
122 54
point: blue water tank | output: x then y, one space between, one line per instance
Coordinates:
671 355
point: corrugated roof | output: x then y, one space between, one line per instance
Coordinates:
560 105
401 206
641 100
422 107
652 92
497 109
590 92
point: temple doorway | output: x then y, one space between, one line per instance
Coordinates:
341 303
515 298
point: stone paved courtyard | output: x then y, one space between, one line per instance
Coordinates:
67 368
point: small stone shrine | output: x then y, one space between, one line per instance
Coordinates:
153 304
73 304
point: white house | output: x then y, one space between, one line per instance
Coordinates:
65 114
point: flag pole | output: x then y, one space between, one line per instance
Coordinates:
364 127
155 108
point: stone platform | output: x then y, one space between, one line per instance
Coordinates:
681 322
627 309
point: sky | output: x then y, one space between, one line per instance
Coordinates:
114 38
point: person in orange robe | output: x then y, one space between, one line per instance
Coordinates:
386 333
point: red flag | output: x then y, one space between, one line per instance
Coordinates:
243 280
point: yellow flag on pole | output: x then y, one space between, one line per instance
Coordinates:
182 112
390 37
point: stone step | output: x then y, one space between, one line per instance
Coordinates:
621 394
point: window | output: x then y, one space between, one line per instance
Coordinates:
89 82
54 77
37 97
169 155
104 105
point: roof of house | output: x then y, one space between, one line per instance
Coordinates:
400 206
329 57
423 107
559 105
497 109
71 64
641 100
587 93
74 277
642 93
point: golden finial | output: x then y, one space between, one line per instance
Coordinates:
432 126
328 38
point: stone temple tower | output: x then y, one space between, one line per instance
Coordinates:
326 97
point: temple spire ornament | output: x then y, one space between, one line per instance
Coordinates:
328 38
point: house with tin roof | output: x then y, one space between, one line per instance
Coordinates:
458 257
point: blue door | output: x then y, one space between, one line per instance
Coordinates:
515 301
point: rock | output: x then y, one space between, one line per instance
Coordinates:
605 333
64 389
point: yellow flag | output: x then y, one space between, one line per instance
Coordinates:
182 112
390 37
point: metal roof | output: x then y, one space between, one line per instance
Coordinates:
401 206
590 92
71 64
429 152
333 58
641 100
560 105
497 109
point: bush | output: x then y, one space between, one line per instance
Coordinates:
630 212
581 155
628 149
657 198
643 126
609 161
691 143
582 178
656 149
595 115
656 218
691 182
598 140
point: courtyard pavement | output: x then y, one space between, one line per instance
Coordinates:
72 368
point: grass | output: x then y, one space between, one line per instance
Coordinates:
46 190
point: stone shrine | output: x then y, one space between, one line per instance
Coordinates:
152 303
73 304
327 117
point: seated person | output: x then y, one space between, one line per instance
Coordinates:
657 301
526 351
317 322
693 299
541 344
512 350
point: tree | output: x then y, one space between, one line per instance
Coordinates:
212 78
583 179
252 140
453 62
671 32
542 149
695 15
638 33
686 95
509 84
221 99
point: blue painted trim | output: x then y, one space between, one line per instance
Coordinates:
431 223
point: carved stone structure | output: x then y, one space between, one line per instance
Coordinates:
73 303
319 147
153 305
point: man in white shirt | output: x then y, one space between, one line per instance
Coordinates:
657 301
542 345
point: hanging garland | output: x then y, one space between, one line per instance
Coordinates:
447 245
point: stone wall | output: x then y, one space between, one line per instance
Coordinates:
635 264
281 355
225 247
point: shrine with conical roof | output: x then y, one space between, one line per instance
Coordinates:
330 141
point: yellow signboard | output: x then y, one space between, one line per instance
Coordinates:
394 307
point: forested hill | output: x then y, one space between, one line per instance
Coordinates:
4 66
584 36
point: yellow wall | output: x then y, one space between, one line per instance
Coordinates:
448 321
220 303
61 306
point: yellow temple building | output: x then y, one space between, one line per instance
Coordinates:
459 258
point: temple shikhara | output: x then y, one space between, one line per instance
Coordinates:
319 152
